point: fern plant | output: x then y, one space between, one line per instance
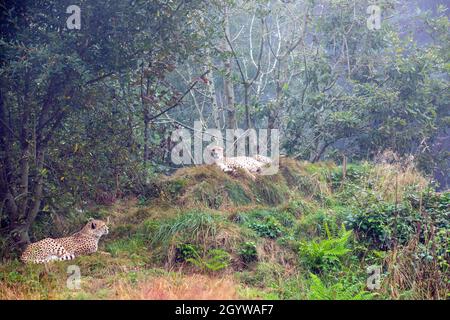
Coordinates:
215 260
320 255
338 291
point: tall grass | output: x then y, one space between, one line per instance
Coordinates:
194 225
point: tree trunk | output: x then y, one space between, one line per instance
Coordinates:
212 94
27 142
227 81
145 112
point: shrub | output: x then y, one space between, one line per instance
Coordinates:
270 228
247 252
386 224
265 222
321 255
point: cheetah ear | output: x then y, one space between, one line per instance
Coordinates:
93 225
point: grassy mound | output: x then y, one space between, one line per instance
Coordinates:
308 232
210 187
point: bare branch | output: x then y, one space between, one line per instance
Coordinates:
179 99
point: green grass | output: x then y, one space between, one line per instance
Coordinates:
279 237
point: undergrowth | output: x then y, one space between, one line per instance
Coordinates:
309 232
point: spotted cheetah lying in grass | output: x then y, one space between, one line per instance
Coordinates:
250 165
68 248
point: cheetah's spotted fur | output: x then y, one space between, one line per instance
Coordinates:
250 165
83 242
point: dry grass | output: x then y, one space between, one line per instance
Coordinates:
410 278
18 292
270 251
392 175
392 180
35 284
193 287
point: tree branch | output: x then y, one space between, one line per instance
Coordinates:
179 99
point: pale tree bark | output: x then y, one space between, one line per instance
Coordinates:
212 91
228 81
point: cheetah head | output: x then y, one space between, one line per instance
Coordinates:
216 152
96 228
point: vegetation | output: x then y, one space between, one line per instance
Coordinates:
88 123
307 248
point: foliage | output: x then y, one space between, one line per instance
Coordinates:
386 224
212 260
325 254
338 291
87 118
215 260
247 252
270 228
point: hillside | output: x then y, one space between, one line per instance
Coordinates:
308 232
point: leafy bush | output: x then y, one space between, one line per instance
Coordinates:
247 252
385 224
320 255
270 228
265 222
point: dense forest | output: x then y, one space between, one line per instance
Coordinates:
92 92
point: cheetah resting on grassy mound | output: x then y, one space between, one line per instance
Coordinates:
250 165
81 243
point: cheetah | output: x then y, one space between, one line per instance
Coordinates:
250 165
83 242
